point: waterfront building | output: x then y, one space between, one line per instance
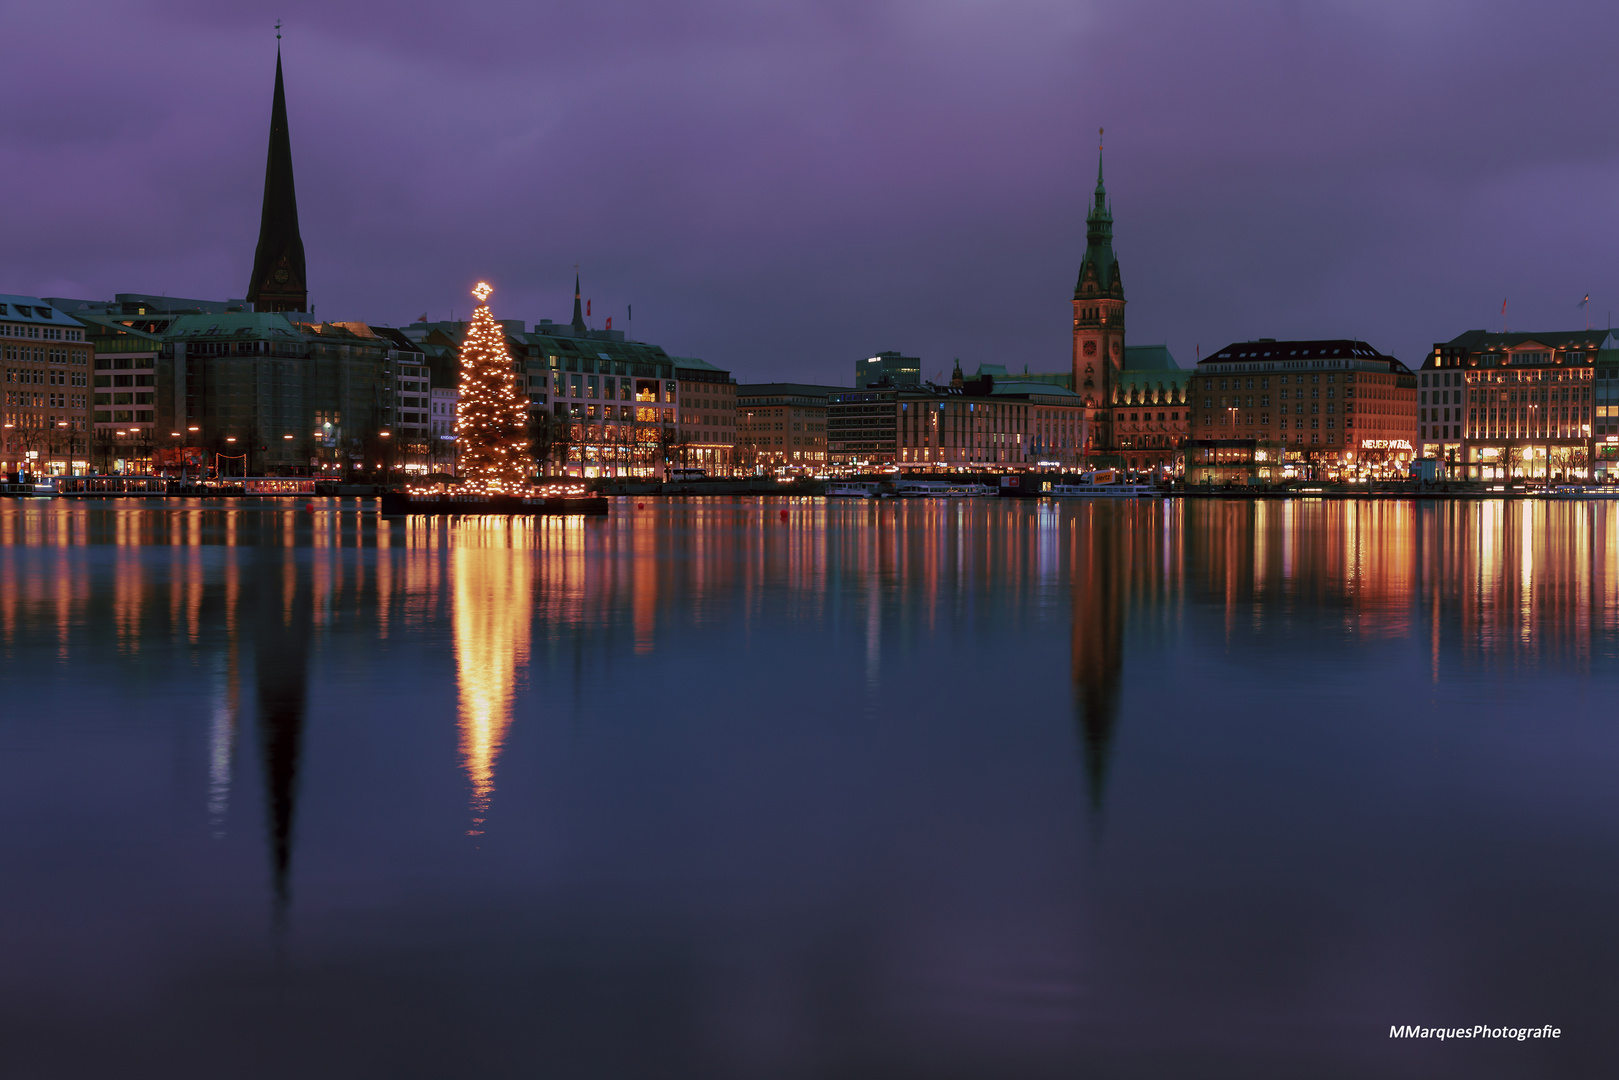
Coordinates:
613 402
988 424
124 394
782 425
861 426
998 425
1268 410
405 401
1146 409
261 381
1605 413
705 409
441 454
1148 413
47 388
888 368
127 333
1516 406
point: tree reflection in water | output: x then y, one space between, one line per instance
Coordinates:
492 573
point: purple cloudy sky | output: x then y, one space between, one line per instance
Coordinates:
784 187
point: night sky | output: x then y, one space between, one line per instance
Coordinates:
782 188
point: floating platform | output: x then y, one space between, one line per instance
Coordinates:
404 504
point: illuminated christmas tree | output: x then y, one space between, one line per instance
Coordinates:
491 423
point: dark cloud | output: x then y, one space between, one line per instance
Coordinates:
782 188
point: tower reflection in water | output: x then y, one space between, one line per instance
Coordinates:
1099 539
491 573
282 636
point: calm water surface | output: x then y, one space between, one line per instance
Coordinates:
931 789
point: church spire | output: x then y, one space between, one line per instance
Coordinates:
278 282
578 311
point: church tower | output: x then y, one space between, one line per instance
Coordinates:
278 282
1098 314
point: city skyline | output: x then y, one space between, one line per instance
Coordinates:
779 191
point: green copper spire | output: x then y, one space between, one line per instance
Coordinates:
278 282
1100 190
1100 266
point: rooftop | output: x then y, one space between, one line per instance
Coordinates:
32 309
786 389
233 324
1480 340
1313 349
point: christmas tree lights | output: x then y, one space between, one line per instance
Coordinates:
491 423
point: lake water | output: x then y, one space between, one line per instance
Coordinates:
770 788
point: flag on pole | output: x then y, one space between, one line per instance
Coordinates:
1503 305
423 318
1582 303
630 312
609 322
587 308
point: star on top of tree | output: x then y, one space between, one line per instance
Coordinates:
482 291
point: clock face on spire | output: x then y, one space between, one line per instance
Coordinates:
1090 348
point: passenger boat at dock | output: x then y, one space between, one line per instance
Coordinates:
941 489
1100 484
1601 492
856 489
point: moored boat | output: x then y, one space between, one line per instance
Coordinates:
1100 484
941 489
1578 491
857 489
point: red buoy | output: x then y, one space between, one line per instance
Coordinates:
310 507
784 515
640 506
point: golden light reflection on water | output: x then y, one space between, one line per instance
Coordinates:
1485 583
491 575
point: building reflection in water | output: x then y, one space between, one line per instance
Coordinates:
491 572
227 696
1487 584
